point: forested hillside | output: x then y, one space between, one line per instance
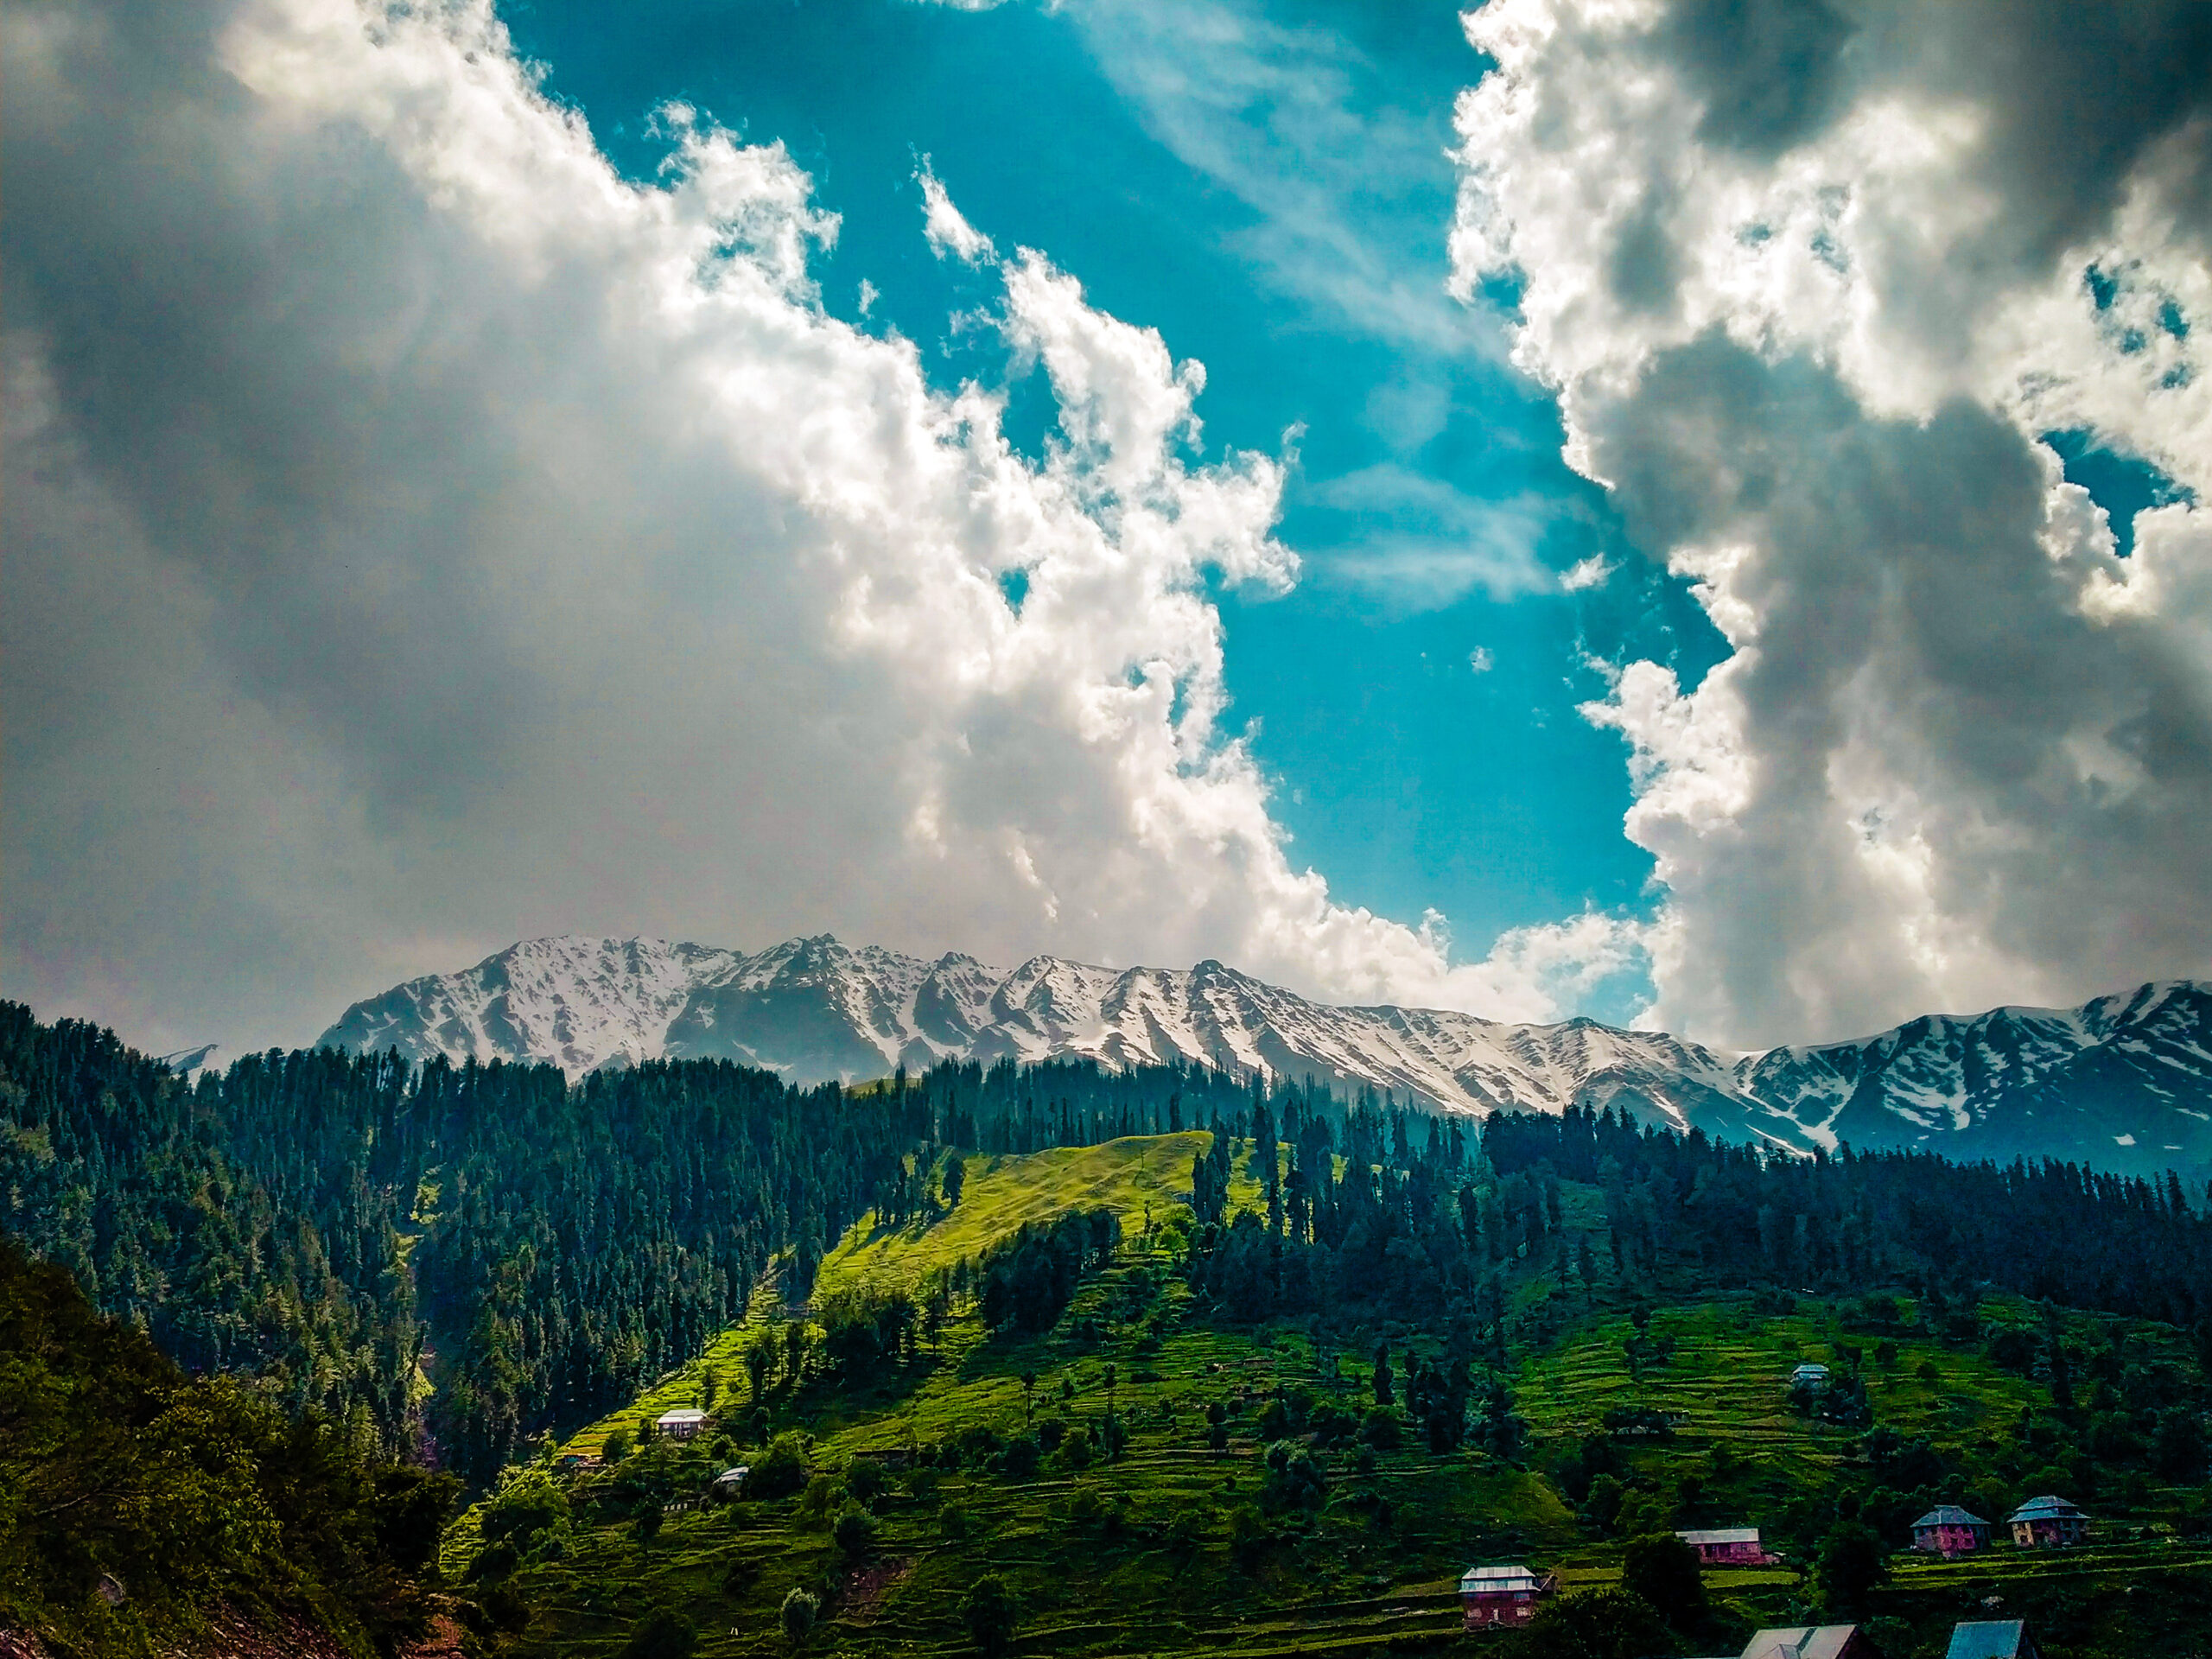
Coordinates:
451 1264
136 1505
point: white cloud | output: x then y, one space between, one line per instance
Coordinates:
945 227
1480 661
1584 573
1810 282
421 538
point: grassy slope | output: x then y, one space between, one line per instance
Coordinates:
1134 1557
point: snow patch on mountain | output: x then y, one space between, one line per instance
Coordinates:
2008 1083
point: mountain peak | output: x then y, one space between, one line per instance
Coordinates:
2124 1080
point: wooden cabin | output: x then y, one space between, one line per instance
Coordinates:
1728 1547
1949 1531
1996 1638
2048 1523
1495 1598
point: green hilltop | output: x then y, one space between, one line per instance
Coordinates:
983 1456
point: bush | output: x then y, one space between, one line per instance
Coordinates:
662 1634
990 1614
1596 1624
1382 1430
955 1522
1851 1563
1665 1571
1075 1451
801 1608
615 1447
782 1468
1051 1433
853 1532
865 1480
1020 1458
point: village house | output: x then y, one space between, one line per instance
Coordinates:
1728 1547
2048 1523
1810 1642
1494 1597
682 1424
731 1482
1998 1638
1809 1376
1947 1530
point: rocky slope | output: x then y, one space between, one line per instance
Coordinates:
2125 1081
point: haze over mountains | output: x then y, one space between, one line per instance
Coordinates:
2122 1082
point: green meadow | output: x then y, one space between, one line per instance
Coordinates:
1178 1543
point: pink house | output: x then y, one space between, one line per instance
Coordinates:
1947 1530
1729 1547
1500 1597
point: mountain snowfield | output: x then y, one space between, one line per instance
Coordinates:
2125 1081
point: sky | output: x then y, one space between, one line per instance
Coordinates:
1679 511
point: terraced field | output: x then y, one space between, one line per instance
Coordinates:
1165 1550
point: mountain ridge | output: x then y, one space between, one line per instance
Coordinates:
2122 1081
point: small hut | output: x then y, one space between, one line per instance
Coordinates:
1494 1597
1948 1531
1809 1376
731 1482
2048 1523
1728 1547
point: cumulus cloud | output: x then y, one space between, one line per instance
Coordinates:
946 229
1812 280
420 537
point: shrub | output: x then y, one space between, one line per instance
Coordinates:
854 1532
1020 1458
990 1614
1665 1571
782 1468
662 1634
1382 1430
801 1608
865 1480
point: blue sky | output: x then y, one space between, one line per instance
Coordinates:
1275 204
433 526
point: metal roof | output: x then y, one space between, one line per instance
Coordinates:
1721 1536
2047 1507
1496 1581
1801 1642
1949 1514
731 1477
683 1415
2001 1639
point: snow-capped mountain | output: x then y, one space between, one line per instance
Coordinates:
2124 1081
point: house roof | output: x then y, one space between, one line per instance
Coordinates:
2047 1507
731 1477
1499 1580
1810 1368
2000 1638
1721 1536
1949 1514
681 1415
1801 1642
